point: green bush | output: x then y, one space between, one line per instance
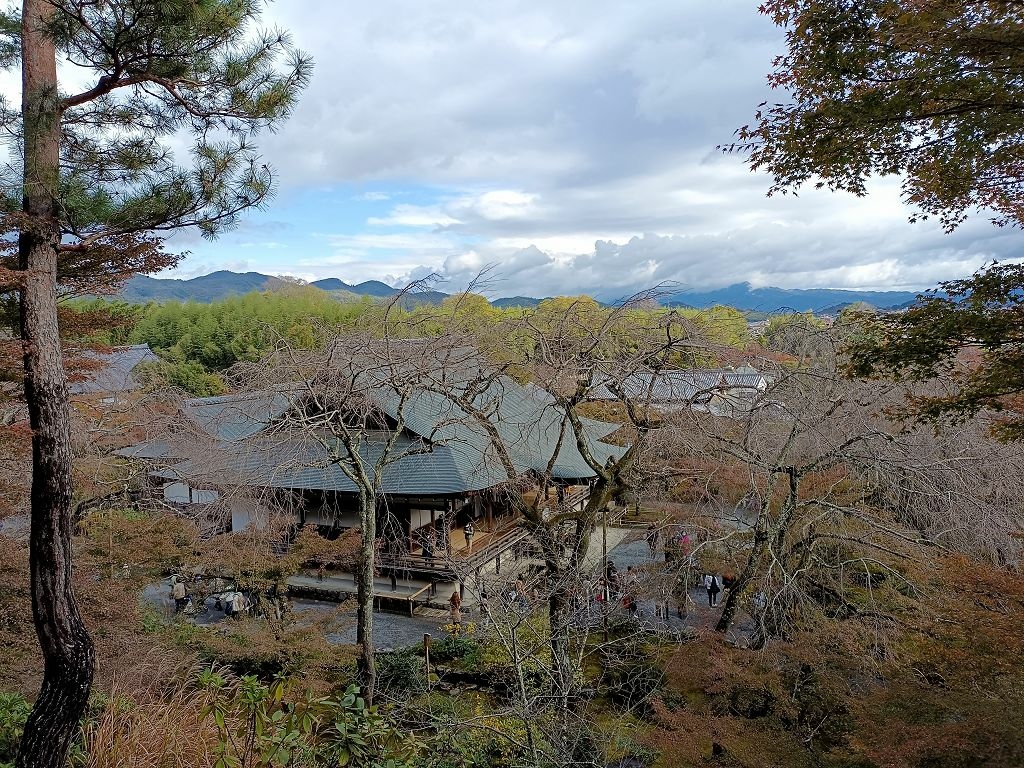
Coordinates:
13 714
275 725
453 647
401 670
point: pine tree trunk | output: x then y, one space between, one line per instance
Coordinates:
68 658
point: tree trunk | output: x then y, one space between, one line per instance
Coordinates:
761 536
68 659
739 587
364 596
563 583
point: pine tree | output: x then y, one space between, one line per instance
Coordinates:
99 184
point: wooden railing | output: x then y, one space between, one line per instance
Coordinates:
410 599
445 566
576 497
497 547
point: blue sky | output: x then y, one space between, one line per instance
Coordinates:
570 145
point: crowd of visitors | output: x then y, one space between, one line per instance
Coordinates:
233 602
660 583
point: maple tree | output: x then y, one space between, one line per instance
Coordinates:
968 336
932 91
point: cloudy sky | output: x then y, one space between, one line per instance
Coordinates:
571 145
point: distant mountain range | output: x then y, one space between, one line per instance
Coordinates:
218 285
823 300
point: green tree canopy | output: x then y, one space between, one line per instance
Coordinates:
798 334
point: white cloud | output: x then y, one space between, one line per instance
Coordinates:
572 144
503 204
414 216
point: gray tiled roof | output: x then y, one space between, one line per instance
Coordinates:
676 386
462 456
233 417
299 463
114 373
151 449
529 428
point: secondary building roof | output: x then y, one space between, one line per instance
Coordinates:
114 371
674 386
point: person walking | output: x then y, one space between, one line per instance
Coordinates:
521 596
614 582
713 585
630 587
455 608
707 581
179 594
679 593
239 604
469 531
428 542
685 548
652 538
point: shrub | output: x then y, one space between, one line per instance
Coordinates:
632 673
751 701
401 670
453 647
13 714
267 724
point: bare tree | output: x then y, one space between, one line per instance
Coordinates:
841 499
573 353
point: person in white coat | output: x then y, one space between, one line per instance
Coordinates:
713 584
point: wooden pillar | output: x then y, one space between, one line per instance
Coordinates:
446 523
